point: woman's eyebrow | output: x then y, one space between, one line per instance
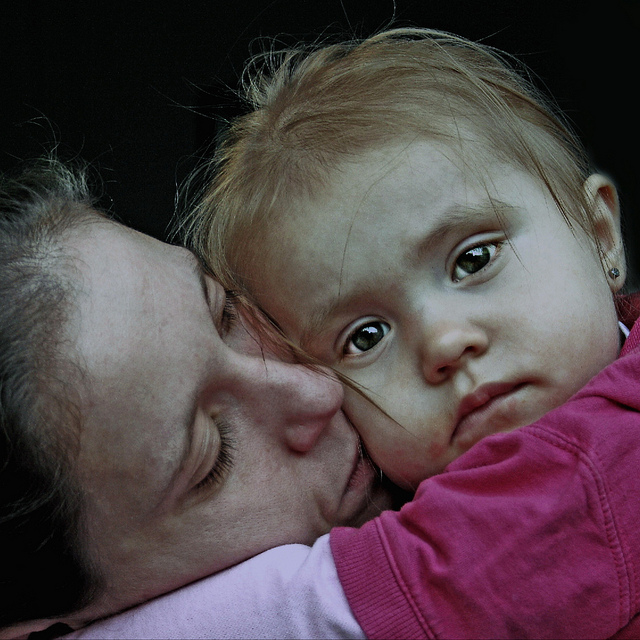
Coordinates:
199 272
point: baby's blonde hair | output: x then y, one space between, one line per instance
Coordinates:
312 108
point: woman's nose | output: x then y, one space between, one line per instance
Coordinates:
294 403
297 402
447 346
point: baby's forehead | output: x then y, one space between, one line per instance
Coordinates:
471 157
422 175
331 202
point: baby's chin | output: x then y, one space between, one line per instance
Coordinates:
408 471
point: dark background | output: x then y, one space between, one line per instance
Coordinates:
113 82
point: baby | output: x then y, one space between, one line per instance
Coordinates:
461 306
409 211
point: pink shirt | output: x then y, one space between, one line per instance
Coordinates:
291 591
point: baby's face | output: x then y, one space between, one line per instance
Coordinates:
462 308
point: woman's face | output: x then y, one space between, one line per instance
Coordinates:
199 449
462 307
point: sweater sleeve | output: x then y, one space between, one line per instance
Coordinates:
532 533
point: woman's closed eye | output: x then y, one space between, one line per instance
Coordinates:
365 337
224 459
228 313
474 259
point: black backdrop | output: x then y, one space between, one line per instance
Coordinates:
110 82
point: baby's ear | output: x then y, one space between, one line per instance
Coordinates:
602 198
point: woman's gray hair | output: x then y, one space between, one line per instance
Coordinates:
46 571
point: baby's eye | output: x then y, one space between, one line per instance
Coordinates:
365 337
473 260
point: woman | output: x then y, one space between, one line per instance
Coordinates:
148 439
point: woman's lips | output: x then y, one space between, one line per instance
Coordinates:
362 472
489 409
355 504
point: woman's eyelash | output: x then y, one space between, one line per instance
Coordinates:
229 312
224 459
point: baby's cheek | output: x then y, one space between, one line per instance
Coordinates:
363 413
435 452
371 423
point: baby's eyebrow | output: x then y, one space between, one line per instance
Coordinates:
454 219
319 318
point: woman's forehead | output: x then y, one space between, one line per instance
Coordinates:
143 337
141 323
